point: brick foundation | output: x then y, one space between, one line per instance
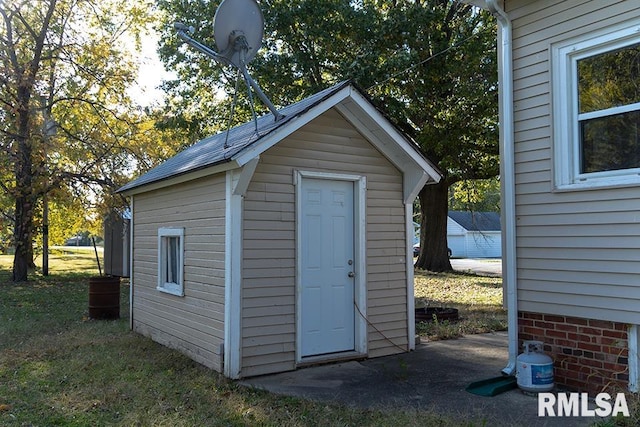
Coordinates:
589 355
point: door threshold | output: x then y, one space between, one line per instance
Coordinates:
331 358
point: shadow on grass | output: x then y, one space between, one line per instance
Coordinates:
477 298
59 368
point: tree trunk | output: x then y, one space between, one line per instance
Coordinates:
24 74
22 235
434 209
23 228
23 257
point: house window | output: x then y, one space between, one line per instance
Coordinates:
171 260
596 109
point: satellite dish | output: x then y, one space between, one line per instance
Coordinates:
238 28
233 20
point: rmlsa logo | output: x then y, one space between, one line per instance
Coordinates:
577 405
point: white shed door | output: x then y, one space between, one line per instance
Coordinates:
327 251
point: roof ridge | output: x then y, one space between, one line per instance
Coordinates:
222 146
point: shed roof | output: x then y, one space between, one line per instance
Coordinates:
477 221
242 143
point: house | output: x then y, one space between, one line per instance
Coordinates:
282 243
469 235
571 177
474 234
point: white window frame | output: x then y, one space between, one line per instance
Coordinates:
566 131
174 288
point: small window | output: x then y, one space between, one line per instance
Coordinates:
596 104
170 260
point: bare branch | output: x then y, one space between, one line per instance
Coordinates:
13 57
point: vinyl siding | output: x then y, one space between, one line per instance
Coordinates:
577 251
472 244
193 324
483 244
328 144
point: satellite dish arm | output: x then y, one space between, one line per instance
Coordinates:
261 94
182 33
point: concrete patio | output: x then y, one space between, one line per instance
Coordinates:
433 377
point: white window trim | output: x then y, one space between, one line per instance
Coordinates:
566 143
171 288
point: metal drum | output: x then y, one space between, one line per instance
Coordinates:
104 297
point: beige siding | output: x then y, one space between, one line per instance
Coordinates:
193 324
328 144
578 252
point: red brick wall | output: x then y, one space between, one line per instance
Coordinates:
589 355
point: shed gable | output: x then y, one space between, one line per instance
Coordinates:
253 207
328 144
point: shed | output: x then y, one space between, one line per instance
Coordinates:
474 234
570 176
281 245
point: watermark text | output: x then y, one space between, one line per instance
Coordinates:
577 405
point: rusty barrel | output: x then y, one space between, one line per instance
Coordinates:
104 297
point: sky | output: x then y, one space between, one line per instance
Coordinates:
150 74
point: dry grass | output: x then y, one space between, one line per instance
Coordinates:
478 299
633 420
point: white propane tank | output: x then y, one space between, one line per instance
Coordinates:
534 368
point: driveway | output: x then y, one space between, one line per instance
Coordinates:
482 266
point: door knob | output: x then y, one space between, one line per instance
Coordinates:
351 274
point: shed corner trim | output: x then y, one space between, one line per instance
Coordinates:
233 271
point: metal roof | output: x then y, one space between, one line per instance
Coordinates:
477 221
213 150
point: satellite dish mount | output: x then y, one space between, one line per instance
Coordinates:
238 28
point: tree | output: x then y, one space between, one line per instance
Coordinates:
431 65
301 55
450 102
64 64
606 81
479 195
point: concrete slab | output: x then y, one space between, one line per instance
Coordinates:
433 377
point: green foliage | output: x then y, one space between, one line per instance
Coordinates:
6 217
430 65
312 44
605 81
439 330
447 100
68 127
65 223
609 79
475 195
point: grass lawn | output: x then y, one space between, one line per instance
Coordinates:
477 298
58 368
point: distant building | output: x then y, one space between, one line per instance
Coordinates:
474 234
